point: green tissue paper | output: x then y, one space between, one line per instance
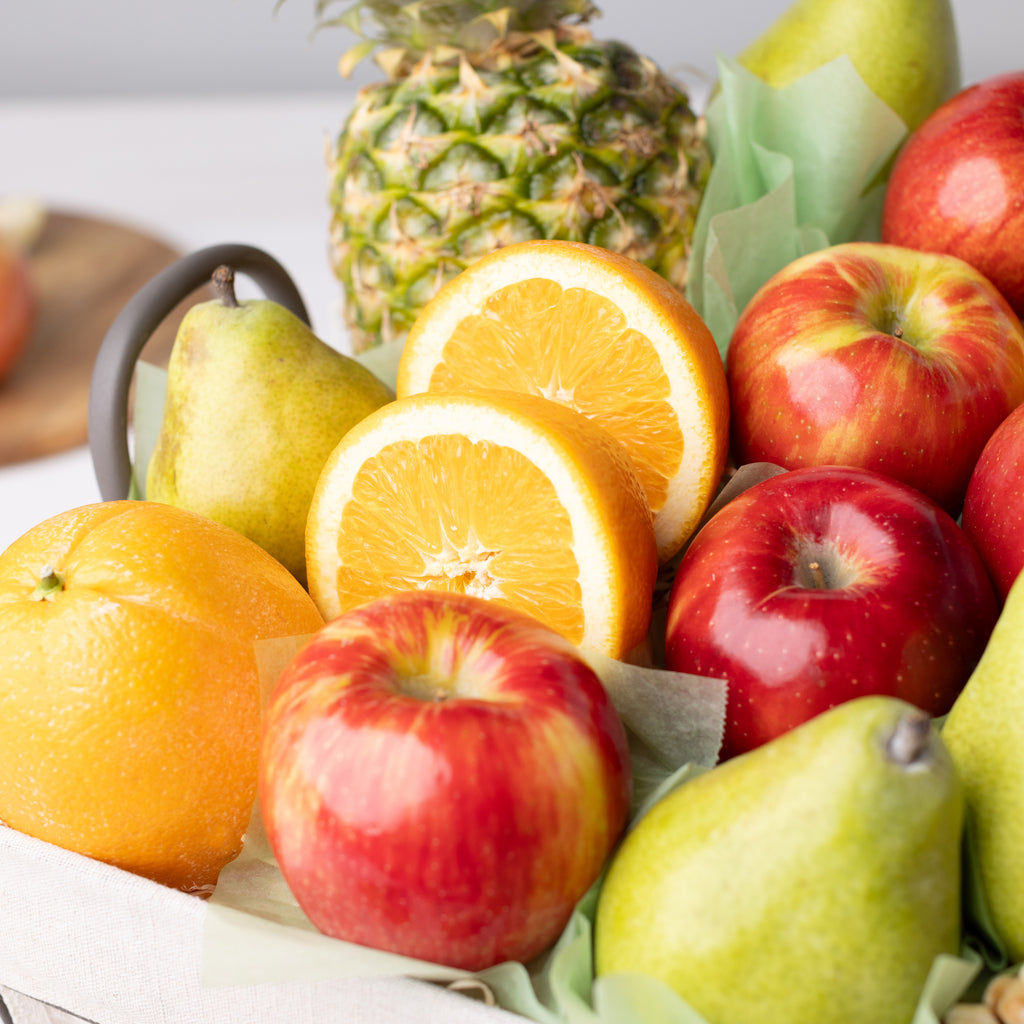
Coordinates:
795 170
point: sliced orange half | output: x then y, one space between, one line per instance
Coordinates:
506 496
599 333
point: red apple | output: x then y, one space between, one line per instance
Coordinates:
823 584
17 306
958 183
442 777
994 507
871 355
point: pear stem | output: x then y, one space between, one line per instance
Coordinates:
909 739
224 285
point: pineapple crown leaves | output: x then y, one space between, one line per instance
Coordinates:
405 31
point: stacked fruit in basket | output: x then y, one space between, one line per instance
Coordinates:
566 475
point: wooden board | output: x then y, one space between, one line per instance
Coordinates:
85 271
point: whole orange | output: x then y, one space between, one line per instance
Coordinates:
130 698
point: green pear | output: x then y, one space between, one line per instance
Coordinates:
811 881
255 403
984 732
906 51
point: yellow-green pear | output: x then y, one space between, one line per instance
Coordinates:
255 403
984 732
811 881
906 51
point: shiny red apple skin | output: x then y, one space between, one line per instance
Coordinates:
871 355
443 778
993 516
958 183
906 612
18 307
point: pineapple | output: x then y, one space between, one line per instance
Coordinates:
500 121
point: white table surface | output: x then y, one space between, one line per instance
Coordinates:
194 172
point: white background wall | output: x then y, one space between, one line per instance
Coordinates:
99 47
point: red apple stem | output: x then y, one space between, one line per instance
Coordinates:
817 575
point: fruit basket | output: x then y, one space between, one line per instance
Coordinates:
150 953
99 944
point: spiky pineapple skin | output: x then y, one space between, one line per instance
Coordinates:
587 141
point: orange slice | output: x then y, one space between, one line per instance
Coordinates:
506 496
602 334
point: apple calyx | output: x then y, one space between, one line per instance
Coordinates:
907 746
223 279
51 583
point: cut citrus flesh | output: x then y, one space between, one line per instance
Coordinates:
599 333
502 495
